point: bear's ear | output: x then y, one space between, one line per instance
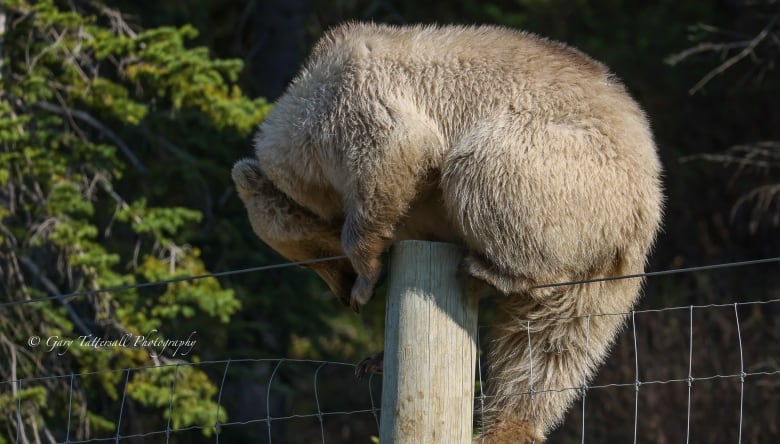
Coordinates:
246 175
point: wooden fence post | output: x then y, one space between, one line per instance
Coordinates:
430 347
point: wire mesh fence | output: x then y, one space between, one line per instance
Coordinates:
263 419
711 371
698 373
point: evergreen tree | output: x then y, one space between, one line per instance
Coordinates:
86 102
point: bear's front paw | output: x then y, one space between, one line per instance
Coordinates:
369 365
247 177
363 291
245 172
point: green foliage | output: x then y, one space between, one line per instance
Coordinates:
183 399
83 94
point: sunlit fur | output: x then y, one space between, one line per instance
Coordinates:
527 152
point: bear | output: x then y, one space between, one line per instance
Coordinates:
526 152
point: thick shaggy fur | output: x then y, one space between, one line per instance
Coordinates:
525 151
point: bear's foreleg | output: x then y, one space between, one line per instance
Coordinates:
385 180
291 229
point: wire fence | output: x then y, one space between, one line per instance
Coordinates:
217 426
638 382
747 371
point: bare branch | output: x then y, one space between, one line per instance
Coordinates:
763 155
168 145
704 47
733 60
763 198
31 62
106 185
118 23
93 122
2 34
14 389
33 268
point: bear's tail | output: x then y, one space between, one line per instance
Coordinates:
546 346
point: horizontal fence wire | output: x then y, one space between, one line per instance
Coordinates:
66 297
69 296
372 409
